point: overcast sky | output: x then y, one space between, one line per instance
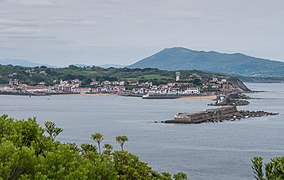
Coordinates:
93 32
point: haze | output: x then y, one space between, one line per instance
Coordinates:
93 32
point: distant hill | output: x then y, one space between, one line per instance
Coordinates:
179 58
21 62
86 74
112 65
80 65
102 66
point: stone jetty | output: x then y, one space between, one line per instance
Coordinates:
226 113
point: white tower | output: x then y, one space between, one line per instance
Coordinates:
177 76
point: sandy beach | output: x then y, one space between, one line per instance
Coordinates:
211 97
84 95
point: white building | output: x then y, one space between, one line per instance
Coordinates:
177 76
121 83
13 82
192 91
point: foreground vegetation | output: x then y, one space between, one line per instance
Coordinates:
273 170
27 153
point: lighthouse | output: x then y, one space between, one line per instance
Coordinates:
177 76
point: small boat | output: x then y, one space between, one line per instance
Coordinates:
145 96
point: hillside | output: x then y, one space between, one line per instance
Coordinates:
21 62
51 76
237 64
112 65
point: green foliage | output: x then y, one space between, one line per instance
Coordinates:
52 130
129 166
121 140
108 149
257 168
166 176
98 138
156 76
26 153
180 176
273 169
15 161
86 148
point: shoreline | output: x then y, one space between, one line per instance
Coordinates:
209 97
84 95
58 95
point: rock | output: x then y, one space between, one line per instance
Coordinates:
217 115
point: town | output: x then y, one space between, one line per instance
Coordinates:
135 88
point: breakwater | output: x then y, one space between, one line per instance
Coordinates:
227 113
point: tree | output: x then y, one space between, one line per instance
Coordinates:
27 153
86 148
180 176
121 140
108 149
73 67
273 169
166 176
98 138
257 168
15 161
52 130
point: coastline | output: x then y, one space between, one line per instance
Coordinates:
209 97
84 95
60 94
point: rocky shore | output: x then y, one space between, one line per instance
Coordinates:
228 113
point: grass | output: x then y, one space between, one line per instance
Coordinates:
156 76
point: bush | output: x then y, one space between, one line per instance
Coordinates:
273 169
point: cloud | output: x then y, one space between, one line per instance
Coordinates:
17 31
70 22
34 29
17 22
47 22
224 25
34 2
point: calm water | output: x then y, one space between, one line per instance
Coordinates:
206 151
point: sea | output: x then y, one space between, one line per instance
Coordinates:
218 151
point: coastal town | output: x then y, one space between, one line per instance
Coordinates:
130 88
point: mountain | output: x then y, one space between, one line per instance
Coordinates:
102 66
179 58
80 65
112 65
21 62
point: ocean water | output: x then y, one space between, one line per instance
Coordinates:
218 151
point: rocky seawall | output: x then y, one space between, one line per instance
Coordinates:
228 113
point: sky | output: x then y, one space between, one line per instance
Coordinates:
95 32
